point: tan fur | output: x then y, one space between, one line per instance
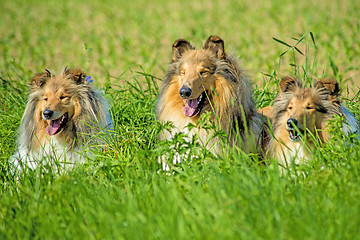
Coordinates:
311 107
68 93
267 111
228 94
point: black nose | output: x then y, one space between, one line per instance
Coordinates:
185 92
291 122
47 113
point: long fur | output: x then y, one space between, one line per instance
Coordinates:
229 94
89 115
313 108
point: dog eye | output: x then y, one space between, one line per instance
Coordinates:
62 97
203 73
309 107
321 109
45 99
289 107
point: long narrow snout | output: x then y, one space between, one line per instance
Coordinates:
294 129
185 92
291 122
47 114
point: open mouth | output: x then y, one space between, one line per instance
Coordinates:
55 126
295 135
194 106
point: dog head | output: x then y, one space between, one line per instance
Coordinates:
306 108
196 72
58 103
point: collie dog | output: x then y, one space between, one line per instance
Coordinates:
208 80
63 114
300 116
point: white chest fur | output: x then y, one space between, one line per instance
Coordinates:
53 153
293 152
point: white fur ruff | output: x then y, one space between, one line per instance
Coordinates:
54 154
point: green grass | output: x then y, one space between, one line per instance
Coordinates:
122 194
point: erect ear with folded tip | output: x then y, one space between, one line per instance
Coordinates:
39 80
216 45
288 83
77 75
178 48
330 84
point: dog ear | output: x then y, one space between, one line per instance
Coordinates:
288 83
178 48
330 84
216 45
39 80
77 75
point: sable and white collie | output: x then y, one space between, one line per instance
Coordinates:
63 114
300 115
208 80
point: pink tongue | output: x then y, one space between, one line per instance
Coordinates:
190 107
53 127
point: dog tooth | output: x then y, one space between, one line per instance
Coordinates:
200 98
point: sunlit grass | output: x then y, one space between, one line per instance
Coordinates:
121 193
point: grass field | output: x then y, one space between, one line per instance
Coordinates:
122 194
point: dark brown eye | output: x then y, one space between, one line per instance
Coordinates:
45 99
290 108
62 97
309 107
203 73
321 109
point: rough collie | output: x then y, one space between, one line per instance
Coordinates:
63 114
300 116
208 80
